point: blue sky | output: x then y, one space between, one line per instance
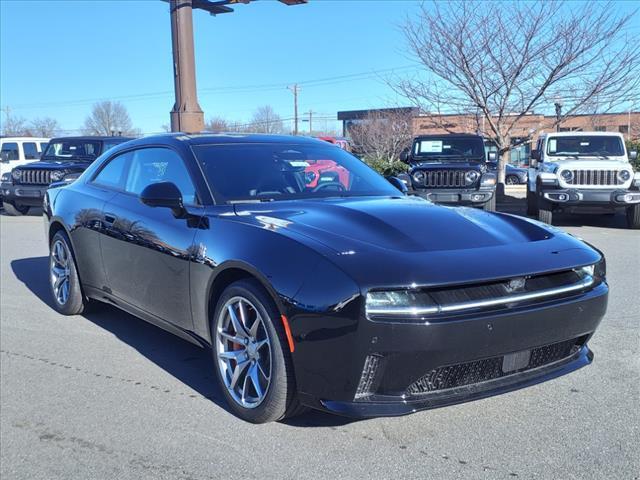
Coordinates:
58 57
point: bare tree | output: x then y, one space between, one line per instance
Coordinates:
12 125
108 118
44 127
266 120
217 124
503 63
380 138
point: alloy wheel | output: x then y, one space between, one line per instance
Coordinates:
60 272
243 351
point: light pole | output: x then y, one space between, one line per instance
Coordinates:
186 115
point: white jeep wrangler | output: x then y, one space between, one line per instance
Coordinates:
582 170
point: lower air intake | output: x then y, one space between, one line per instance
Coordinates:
369 378
461 374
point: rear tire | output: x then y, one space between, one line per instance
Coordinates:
64 282
490 206
633 217
247 364
532 203
512 180
15 210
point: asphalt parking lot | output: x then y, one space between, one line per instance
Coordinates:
106 395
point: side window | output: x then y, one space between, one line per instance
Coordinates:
30 150
9 152
43 146
112 174
108 146
154 165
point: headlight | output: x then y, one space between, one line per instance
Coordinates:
16 174
72 177
6 177
567 175
400 303
549 167
57 175
419 176
471 176
624 175
488 179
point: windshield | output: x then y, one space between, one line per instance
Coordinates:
585 145
72 149
264 172
449 147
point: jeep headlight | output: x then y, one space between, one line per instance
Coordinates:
6 177
16 174
400 303
57 175
567 175
624 175
419 177
471 176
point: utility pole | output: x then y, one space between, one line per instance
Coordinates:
295 89
310 112
186 116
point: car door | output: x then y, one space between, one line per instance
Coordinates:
9 156
146 250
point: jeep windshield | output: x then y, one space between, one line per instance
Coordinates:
239 173
78 150
449 148
585 146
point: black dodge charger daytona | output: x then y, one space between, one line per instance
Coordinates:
315 282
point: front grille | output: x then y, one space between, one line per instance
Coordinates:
445 179
595 177
35 177
479 371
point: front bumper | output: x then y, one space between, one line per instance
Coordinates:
586 197
456 196
408 353
29 195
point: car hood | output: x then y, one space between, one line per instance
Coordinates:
408 239
56 165
592 163
448 164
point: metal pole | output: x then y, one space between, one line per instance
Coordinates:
310 122
186 116
295 89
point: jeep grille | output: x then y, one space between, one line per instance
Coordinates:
445 179
35 177
595 177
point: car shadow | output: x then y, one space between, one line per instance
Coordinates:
518 206
190 364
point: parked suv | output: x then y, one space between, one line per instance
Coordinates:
570 171
64 158
16 151
451 169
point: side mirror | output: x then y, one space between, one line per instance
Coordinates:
535 154
492 157
404 156
163 194
399 184
533 163
633 155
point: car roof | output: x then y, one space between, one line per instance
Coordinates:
577 133
229 138
448 135
92 137
24 139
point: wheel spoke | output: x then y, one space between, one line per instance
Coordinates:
237 325
253 331
237 355
261 344
237 372
231 338
266 377
255 380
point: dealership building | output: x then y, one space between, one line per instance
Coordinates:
529 126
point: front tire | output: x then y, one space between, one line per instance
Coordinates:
545 214
532 203
490 206
64 282
251 355
633 217
15 210
512 180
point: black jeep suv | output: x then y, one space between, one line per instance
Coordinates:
451 169
64 159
